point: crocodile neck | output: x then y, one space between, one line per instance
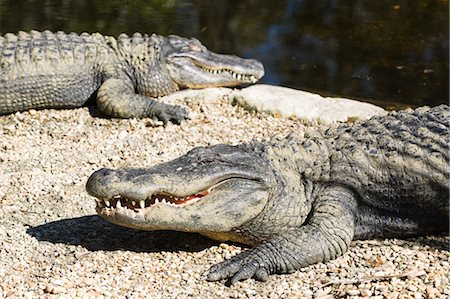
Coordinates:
141 60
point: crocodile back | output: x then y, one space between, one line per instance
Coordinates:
49 70
398 164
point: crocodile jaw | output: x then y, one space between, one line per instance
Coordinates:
207 69
214 211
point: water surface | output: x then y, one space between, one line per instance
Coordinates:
393 53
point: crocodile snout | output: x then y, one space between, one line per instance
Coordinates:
99 183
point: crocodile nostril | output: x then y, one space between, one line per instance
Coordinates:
103 172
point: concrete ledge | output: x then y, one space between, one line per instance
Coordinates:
288 102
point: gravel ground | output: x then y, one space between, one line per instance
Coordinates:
52 245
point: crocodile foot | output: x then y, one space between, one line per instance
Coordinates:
172 113
240 267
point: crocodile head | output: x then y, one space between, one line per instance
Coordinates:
209 190
192 65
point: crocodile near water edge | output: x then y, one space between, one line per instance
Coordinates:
298 200
57 70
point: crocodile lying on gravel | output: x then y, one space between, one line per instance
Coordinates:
58 70
299 200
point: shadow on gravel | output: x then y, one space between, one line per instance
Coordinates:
441 242
94 233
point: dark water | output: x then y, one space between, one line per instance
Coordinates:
385 51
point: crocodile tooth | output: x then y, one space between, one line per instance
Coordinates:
100 202
107 203
133 203
239 77
142 204
157 200
118 204
164 200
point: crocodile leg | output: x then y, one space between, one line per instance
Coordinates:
326 235
117 98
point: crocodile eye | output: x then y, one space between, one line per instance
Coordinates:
195 47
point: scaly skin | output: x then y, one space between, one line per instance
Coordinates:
299 200
57 70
